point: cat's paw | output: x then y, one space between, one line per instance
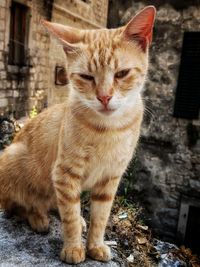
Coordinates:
73 255
100 253
39 223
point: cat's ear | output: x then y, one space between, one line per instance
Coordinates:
140 27
68 36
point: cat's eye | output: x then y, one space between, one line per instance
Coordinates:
86 77
122 73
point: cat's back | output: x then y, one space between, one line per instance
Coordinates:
35 146
34 149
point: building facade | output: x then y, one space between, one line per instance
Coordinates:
32 64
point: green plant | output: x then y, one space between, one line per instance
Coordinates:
33 113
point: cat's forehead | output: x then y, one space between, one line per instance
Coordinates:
105 48
100 38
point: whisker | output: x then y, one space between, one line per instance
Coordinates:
147 111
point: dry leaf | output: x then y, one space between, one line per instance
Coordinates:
143 227
141 240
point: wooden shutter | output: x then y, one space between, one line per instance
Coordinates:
18 34
187 100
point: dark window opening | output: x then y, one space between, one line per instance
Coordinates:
192 235
187 100
188 230
48 7
86 1
60 76
19 24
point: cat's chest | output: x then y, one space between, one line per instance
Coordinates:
109 150
107 158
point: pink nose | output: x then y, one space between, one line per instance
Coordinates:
104 99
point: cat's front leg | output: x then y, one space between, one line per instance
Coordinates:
102 197
67 184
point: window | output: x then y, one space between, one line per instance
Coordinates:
60 76
188 225
187 100
192 234
19 23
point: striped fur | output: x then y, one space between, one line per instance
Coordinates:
83 144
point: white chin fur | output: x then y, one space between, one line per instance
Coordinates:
119 104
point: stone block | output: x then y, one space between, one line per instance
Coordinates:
14 84
8 84
40 85
22 84
40 76
3 3
32 78
32 102
2 75
35 62
2 84
32 93
32 70
8 93
3 102
2 36
15 93
1 43
32 85
2 13
2 25
1 65
2 94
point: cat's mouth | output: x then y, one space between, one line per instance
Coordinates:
107 111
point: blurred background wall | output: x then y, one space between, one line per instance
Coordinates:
165 176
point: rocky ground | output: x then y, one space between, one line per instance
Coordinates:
20 246
131 241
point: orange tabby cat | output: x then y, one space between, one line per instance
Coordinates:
86 143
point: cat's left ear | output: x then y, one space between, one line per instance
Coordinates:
140 28
71 38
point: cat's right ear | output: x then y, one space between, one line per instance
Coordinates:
69 37
140 27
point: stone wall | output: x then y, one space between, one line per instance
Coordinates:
22 88
167 164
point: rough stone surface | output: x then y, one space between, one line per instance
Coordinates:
20 246
167 258
168 159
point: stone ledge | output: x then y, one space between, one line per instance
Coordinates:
20 246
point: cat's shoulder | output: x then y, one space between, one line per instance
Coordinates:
50 117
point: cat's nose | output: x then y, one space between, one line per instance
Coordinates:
104 99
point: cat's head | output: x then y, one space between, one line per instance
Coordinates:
107 68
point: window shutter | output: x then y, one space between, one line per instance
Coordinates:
187 100
18 34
